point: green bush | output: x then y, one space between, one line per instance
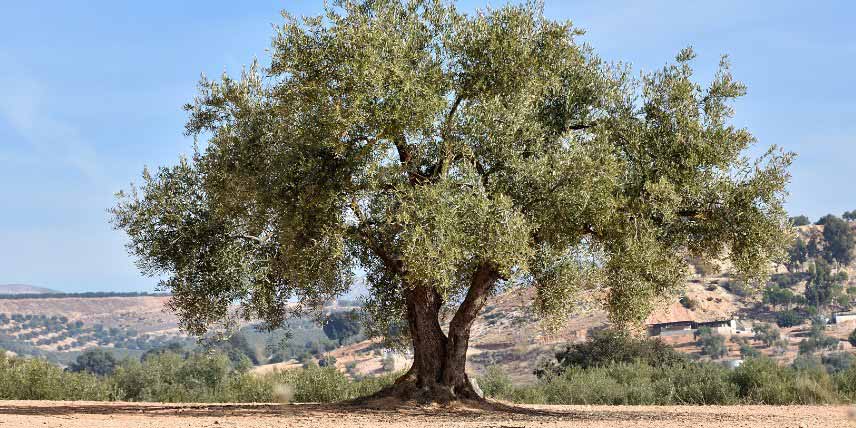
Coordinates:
746 348
712 345
608 346
36 379
763 381
96 361
326 384
789 318
700 384
496 383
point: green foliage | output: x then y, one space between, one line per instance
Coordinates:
169 377
688 302
839 240
837 362
766 333
237 348
852 338
452 145
96 361
849 215
172 347
789 318
326 384
341 326
495 382
36 379
797 255
800 220
608 346
780 297
756 381
711 344
823 285
763 381
746 348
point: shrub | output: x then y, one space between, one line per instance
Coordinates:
838 361
711 344
746 348
800 220
852 338
96 361
340 326
846 382
607 346
496 383
326 384
766 334
789 318
812 344
762 381
36 379
688 302
699 384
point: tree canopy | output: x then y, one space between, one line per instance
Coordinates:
342 325
96 361
839 240
448 155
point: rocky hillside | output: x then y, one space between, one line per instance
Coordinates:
507 333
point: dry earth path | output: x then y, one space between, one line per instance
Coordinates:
35 414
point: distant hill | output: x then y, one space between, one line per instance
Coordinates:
24 289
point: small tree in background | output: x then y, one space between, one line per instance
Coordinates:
849 215
822 285
96 361
746 348
711 344
766 334
817 339
839 240
797 255
800 220
852 338
340 326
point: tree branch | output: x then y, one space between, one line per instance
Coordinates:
483 279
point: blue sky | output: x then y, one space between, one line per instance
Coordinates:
91 91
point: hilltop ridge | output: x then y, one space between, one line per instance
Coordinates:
24 289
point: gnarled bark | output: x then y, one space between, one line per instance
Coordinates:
438 373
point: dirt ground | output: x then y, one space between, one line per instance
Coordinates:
35 414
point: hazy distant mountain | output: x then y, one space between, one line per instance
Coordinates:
24 289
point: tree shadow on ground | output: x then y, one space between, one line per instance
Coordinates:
473 411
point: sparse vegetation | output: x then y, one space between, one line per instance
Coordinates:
711 344
598 379
172 377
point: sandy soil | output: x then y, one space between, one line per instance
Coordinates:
128 415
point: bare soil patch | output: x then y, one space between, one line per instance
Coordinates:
31 414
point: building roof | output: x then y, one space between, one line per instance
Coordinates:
676 313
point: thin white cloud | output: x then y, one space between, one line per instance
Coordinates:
25 108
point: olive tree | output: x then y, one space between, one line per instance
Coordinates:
449 156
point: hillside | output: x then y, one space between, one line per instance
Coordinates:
24 289
507 333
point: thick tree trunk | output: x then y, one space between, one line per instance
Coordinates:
438 373
454 373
